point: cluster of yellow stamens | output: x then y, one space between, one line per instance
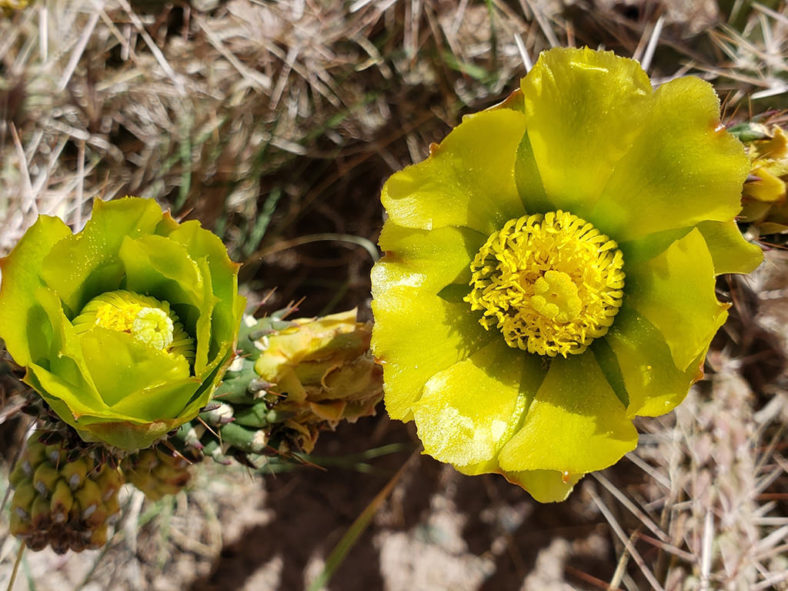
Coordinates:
145 318
550 283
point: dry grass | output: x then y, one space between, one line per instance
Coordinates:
253 117
275 124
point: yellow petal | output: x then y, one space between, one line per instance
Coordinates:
682 169
468 180
584 109
674 291
415 336
574 425
469 410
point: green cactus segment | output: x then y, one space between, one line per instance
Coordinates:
157 472
60 502
241 439
749 131
291 380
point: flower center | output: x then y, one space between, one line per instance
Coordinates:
145 318
152 326
550 283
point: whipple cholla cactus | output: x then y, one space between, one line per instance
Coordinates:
291 380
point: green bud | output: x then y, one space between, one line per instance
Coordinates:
61 502
44 479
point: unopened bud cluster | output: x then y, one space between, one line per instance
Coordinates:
63 502
157 472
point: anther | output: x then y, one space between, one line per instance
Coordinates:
550 283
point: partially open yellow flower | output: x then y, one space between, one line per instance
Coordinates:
549 269
765 195
125 328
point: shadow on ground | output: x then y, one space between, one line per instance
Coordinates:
498 525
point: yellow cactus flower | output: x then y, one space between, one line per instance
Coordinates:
549 269
125 328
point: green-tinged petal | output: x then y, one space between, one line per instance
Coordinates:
105 426
211 379
683 168
208 343
19 311
584 110
469 410
574 425
126 431
164 269
415 336
66 398
729 250
57 369
674 291
654 385
167 225
202 244
646 248
86 264
62 355
468 180
424 260
164 401
546 486
122 366
529 182
127 435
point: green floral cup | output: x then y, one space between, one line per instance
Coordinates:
126 327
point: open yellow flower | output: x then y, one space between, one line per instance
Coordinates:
549 269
